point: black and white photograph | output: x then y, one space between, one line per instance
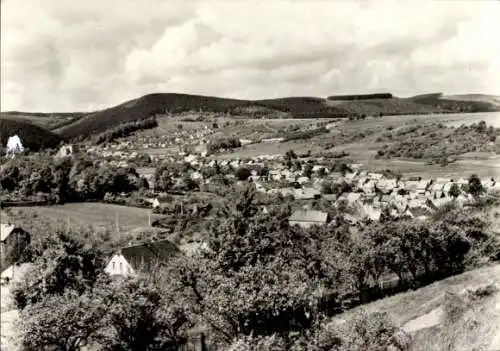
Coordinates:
250 175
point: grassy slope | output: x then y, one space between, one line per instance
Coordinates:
493 99
395 106
93 214
473 329
457 103
154 104
32 136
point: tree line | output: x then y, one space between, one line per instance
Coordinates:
61 180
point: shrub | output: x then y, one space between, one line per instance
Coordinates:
475 187
223 143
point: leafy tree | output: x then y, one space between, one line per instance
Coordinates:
163 178
454 190
475 186
243 173
65 322
307 170
9 177
327 188
141 316
68 264
290 154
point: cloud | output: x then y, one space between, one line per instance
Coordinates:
60 57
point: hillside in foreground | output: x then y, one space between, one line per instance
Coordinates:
458 313
32 136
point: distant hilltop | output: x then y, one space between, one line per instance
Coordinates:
361 97
78 125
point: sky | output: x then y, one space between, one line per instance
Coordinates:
61 55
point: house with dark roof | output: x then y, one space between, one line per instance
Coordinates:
308 218
13 240
131 260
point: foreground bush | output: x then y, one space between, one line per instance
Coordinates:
362 332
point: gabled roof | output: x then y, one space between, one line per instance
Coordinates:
309 216
6 230
306 193
149 253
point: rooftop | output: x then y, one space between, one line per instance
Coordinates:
309 216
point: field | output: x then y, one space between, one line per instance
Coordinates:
97 215
364 149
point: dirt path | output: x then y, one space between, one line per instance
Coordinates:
8 319
495 343
428 320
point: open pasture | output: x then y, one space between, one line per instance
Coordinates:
96 215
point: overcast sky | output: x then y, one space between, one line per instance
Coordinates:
62 55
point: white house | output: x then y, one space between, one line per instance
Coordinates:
14 146
129 261
14 273
65 151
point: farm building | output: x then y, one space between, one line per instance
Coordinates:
308 218
66 151
129 261
13 240
159 201
14 273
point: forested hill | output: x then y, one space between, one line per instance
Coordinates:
32 136
82 126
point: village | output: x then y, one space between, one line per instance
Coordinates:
360 196
249 176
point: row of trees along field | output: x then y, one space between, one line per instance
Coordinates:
65 179
262 285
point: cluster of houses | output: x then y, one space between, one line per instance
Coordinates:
365 195
369 194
